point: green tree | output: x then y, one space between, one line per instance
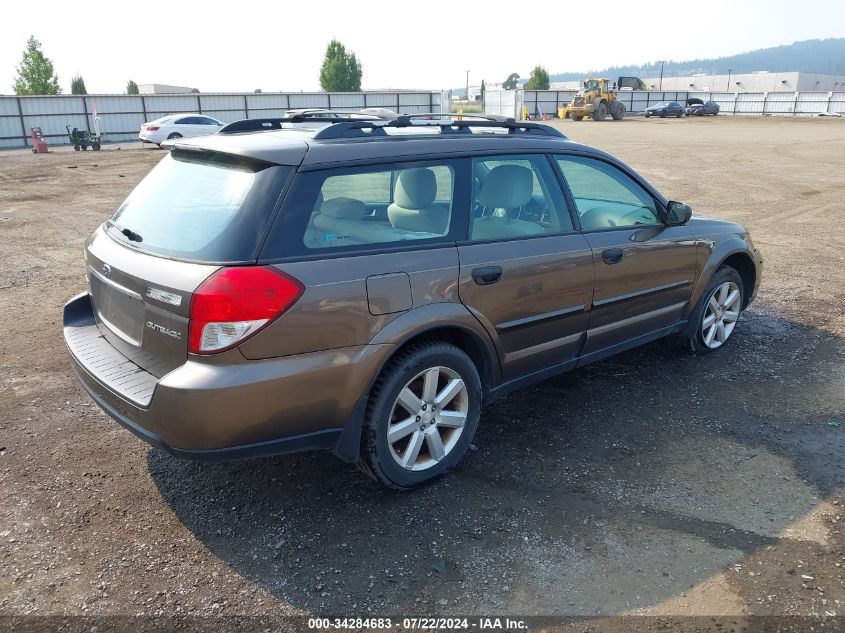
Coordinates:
510 82
538 80
257 91
77 86
131 88
35 74
341 71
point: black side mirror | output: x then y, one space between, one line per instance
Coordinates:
678 213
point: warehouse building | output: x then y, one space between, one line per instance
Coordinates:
163 89
762 81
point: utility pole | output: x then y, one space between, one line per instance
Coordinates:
661 75
728 89
467 95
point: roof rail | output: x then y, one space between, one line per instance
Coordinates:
357 125
276 123
353 129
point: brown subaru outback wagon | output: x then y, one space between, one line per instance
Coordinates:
366 286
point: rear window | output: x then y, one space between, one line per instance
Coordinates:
198 206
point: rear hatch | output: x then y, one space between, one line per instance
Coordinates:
195 212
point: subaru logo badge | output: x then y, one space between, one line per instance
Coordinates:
106 270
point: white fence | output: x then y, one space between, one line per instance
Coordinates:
540 102
121 116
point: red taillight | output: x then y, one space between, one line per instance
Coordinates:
235 303
152 128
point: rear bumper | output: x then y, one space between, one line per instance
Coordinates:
230 410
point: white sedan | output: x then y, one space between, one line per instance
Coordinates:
178 126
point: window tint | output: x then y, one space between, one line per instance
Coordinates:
204 120
606 197
375 206
205 207
516 196
187 120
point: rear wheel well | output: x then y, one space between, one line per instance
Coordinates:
742 264
464 340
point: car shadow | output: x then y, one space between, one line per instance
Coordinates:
616 487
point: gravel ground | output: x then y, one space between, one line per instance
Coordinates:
652 483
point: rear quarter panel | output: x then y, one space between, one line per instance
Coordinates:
334 310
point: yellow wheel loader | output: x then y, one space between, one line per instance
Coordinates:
596 100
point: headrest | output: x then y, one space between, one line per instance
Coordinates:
506 187
344 208
415 188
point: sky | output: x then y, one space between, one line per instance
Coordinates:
279 46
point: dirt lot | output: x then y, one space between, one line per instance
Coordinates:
655 482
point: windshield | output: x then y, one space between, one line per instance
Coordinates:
591 84
200 207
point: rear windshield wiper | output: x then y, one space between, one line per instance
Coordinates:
130 235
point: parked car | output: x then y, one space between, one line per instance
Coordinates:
698 107
175 126
365 287
664 109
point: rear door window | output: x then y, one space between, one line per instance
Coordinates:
200 207
358 208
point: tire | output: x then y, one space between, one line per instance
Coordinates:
95 147
600 113
648 115
619 114
76 148
174 135
576 117
680 115
700 341
662 115
396 465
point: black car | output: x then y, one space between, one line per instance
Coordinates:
664 109
697 107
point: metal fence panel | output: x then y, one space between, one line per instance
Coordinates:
749 103
780 103
116 103
124 122
52 105
347 100
811 102
382 100
226 116
221 102
309 100
268 101
171 103
836 105
267 113
9 107
55 125
10 127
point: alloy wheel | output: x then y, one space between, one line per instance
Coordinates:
428 418
721 314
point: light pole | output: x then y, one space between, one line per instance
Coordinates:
730 70
467 95
661 75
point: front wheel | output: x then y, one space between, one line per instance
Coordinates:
173 135
717 313
421 416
